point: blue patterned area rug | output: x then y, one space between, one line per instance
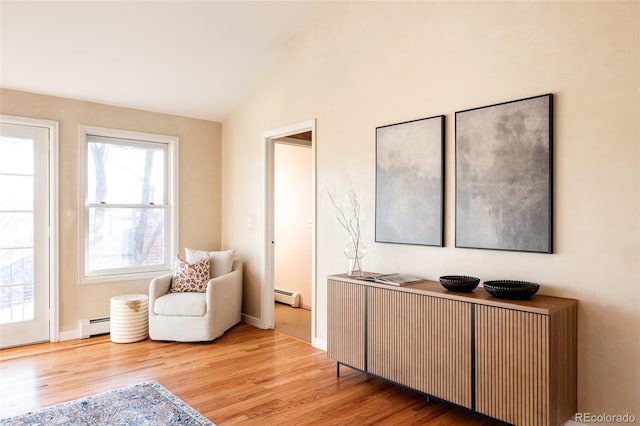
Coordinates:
147 403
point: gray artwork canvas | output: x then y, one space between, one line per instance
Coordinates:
410 182
504 176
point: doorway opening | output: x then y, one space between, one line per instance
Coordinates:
292 230
289 207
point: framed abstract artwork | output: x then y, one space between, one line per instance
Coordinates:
410 182
504 176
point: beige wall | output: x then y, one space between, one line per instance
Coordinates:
360 65
292 210
199 187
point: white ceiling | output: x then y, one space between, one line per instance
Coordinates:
196 59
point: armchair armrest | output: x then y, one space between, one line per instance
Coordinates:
224 297
159 287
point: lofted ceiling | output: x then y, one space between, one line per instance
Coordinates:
191 58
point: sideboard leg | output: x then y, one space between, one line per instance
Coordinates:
338 369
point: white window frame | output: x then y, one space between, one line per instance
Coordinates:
171 238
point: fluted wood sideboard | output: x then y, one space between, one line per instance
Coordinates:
511 360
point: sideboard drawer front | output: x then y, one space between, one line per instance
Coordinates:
346 323
421 342
512 365
391 335
444 350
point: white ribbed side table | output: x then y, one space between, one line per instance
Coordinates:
129 318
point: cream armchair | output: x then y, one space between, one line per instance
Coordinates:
195 317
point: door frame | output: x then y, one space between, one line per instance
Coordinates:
268 255
54 315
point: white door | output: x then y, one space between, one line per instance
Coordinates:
24 234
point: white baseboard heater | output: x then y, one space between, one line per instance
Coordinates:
287 297
94 326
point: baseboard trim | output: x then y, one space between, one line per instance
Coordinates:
69 335
247 319
320 344
75 334
256 322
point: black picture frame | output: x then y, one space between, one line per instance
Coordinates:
410 182
504 176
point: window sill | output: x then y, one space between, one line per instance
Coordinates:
102 279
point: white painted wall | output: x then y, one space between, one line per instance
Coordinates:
364 64
292 206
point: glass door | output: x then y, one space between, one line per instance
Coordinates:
24 234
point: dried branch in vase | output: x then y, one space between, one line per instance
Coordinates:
354 249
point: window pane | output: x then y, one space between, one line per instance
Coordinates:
16 193
16 266
16 155
16 303
126 237
16 285
16 229
125 174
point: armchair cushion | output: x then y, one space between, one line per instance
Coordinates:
190 277
221 262
181 304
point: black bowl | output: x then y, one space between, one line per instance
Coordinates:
508 289
459 283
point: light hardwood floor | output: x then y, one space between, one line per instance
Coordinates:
295 322
247 376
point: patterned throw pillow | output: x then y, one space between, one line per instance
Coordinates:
190 277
